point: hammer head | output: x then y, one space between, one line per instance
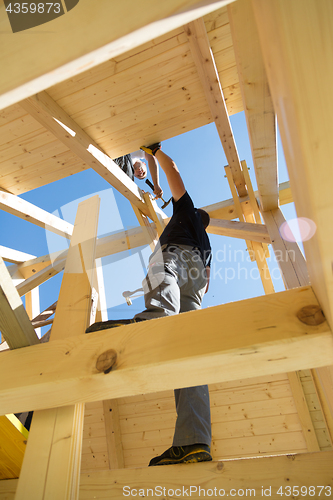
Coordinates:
166 203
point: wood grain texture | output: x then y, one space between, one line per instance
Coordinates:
260 336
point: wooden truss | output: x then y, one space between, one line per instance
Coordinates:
283 60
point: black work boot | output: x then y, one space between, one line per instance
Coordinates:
183 454
111 323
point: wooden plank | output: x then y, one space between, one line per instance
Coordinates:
113 434
47 112
288 254
204 61
27 211
324 384
260 336
296 40
32 306
14 256
303 412
150 235
246 476
238 207
258 105
243 230
57 433
294 273
154 214
15 324
254 476
40 277
59 58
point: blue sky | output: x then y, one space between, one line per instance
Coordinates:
201 160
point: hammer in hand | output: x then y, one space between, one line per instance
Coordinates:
166 203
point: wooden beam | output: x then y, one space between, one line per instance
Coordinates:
243 230
296 40
40 277
288 254
205 64
135 237
147 229
249 477
240 478
294 273
15 324
14 256
57 433
303 412
113 434
153 214
47 112
27 211
68 48
32 306
258 105
259 336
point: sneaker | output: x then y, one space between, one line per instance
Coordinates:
112 323
183 455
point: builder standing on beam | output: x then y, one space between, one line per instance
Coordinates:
177 279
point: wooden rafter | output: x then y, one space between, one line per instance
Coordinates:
258 105
47 112
27 211
205 64
259 336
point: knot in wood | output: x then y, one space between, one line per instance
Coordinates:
106 361
220 465
311 315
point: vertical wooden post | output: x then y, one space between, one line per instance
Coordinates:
51 467
294 271
32 306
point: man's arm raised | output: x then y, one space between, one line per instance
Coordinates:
172 173
170 169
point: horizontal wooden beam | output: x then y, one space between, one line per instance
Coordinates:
115 243
254 337
243 230
14 256
49 114
70 48
27 211
135 237
308 473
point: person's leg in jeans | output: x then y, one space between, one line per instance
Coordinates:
193 423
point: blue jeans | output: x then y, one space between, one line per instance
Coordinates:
176 283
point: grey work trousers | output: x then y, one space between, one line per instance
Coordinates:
175 283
